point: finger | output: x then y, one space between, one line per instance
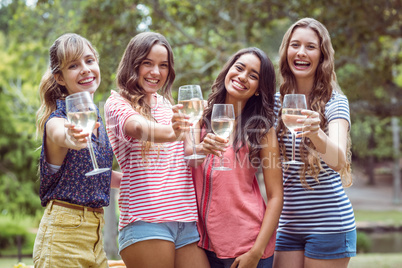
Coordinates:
97 125
216 138
177 107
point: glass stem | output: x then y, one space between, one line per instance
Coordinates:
293 146
220 160
193 140
91 152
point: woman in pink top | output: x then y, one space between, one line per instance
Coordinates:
158 210
237 227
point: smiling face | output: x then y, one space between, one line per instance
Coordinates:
242 79
80 75
304 53
154 69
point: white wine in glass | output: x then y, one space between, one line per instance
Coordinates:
292 106
190 96
82 112
223 119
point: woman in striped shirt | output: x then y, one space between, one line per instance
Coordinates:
158 210
317 225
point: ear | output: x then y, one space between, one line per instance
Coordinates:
59 79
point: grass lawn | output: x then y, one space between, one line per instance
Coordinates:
372 260
386 217
10 262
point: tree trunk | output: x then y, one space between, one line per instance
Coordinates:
397 168
110 230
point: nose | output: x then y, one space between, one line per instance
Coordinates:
155 70
302 51
243 76
85 69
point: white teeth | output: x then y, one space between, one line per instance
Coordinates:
86 80
238 84
152 80
301 62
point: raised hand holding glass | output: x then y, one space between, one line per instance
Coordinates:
190 96
292 106
81 112
223 119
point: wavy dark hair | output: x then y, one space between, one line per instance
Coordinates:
128 75
325 82
257 116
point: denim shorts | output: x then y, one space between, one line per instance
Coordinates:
319 246
216 262
180 233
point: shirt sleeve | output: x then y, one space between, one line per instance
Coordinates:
338 108
117 111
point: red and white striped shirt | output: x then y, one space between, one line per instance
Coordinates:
159 190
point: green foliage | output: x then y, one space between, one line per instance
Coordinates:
363 243
10 231
370 136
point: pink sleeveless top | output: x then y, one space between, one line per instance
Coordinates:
231 207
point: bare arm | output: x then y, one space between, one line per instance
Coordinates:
272 172
61 136
331 147
138 127
116 179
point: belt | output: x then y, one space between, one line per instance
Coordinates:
77 207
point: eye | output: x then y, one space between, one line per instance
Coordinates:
294 45
254 77
165 65
90 61
239 67
311 47
146 63
72 66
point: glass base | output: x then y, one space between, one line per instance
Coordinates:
221 168
97 171
293 162
194 156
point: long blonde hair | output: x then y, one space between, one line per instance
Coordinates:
325 82
67 48
128 76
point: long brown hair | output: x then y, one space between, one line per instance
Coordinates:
128 75
67 48
257 114
325 82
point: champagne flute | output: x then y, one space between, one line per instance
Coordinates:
190 96
292 106
82 112
222 118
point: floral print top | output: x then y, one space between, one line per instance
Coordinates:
69 183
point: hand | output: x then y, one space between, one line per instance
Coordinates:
247 260
311 125
75 139
213 144
180 123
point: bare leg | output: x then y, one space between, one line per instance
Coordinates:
191 256
151 253
336 263
288 259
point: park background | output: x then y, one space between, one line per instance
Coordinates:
366 35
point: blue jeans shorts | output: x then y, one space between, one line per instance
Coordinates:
216 262
319 246
180 233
